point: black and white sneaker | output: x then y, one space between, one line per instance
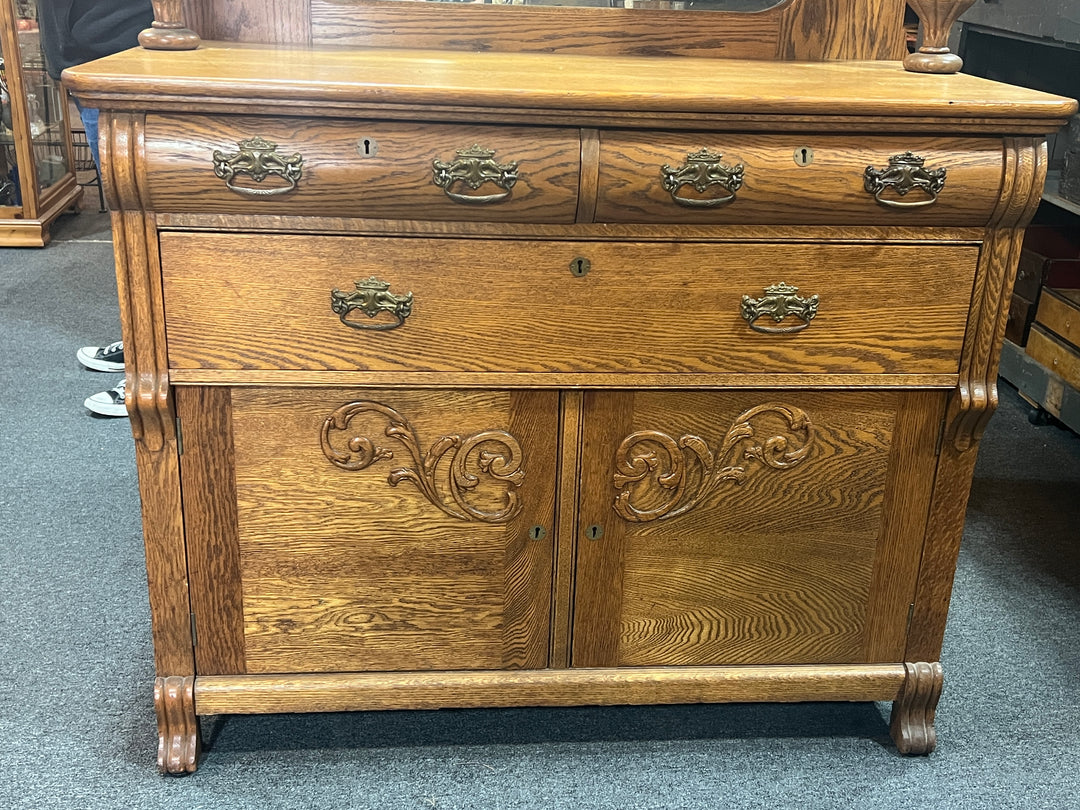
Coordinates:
103 358
108 403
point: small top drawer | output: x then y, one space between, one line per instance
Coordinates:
351 168
747 178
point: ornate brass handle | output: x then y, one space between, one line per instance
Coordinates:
474 167
371 297
779 301
904 174
258 159
701 170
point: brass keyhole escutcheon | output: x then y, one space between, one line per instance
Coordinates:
804 156
594 532
537 533
580 267
367 147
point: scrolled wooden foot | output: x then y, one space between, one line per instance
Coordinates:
178 727
912 723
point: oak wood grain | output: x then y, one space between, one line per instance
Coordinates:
588 192
908 318
248 694
976 397
908 490
286 22
339 178
737 580
571 405
486 379
321 79
347 564
639 232
793 29
213 553
776 190
149 398
599 564
343 570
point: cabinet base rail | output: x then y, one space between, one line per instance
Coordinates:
336 692
179 700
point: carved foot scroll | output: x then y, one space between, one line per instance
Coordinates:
912 723
178 727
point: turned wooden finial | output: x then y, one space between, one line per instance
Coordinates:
937 18
168 32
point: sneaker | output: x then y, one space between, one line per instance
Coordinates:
103 358
108 403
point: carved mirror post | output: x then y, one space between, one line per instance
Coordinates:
937 18
168 32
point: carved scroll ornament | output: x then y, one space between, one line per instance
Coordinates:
662 465
493 453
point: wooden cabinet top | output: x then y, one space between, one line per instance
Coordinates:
680 91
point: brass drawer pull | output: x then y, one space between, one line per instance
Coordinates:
701 170
258 159
371 297
904 174
779 301
474 167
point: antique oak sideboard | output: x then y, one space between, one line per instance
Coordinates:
502 378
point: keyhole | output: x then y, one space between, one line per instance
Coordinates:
804 156
537 533
594 532
367 147
580 266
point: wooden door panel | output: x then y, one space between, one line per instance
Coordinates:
383 530
750 527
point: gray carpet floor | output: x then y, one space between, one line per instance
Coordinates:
76 717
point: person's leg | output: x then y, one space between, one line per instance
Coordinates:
101 358
89 117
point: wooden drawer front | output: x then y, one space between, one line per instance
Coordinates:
393 180
775 189
264 302
1055 354
751 527
306 559
1059 312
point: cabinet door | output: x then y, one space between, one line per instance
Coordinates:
751 527
352 530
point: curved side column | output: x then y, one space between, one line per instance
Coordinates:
153 424
975 397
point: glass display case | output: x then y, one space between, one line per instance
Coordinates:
37 182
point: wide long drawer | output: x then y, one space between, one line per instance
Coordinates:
356 168
249 301
708 177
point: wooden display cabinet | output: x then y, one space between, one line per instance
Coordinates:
37 179
484 375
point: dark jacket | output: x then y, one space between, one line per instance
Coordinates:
77 31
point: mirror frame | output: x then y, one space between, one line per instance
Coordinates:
803 30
